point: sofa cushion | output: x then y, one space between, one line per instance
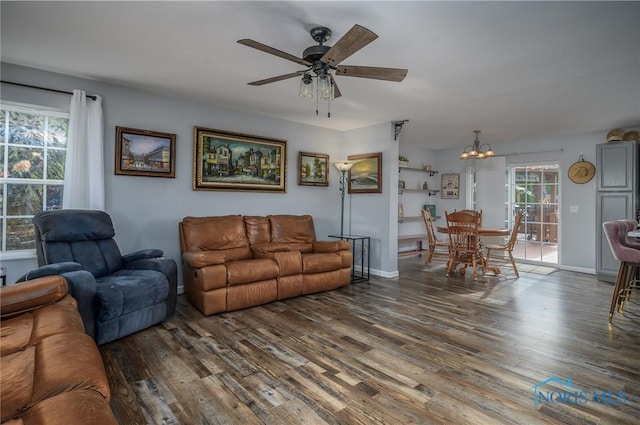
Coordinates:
258 229
320 262
28 328
130 290
73 407
74 225
264 249
209 258
292 229
331 246
212 233
55 365
249 271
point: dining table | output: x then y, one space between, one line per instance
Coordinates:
484 231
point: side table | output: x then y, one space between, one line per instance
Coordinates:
361 250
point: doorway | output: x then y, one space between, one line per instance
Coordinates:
534 190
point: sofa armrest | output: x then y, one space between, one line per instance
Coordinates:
143 254
30 295
50 270
81 285
200 259
331 246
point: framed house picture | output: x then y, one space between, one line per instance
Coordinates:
366 174
450 186
312 169
240 162
145 153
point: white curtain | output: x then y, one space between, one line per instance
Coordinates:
84 166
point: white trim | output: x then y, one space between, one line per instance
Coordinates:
23 254
586 270
39 109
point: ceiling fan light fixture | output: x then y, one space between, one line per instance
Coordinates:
306 86
320 60
324 87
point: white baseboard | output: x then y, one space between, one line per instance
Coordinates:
380 273
579 269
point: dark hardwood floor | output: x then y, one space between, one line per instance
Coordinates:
422 348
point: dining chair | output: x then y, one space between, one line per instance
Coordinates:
436 246
464 243
629 258
507 248
631 225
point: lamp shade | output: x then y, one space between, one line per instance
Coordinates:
324 87
344 165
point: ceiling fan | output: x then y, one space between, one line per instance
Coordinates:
321 60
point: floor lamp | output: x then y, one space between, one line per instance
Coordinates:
343 166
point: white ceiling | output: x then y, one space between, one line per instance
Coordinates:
515 70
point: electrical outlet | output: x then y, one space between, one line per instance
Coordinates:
573 209
364 249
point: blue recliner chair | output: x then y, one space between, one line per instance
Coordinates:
117 295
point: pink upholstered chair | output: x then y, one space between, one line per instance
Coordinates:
631 225
629 257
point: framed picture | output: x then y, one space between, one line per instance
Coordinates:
312 169
450 186
145 153
241 162
366 174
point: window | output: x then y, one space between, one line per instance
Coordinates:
32 158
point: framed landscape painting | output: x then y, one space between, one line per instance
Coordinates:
240 162
366 174
312 169
145 153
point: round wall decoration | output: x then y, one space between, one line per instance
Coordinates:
582 171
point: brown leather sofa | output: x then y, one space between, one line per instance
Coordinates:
51 372
234 262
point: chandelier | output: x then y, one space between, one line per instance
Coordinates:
476 150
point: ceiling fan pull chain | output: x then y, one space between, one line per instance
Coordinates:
329 107
317 96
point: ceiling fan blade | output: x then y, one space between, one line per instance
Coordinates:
376 73
336 90
274 79
272 50
355 39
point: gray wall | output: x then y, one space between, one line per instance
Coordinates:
146 210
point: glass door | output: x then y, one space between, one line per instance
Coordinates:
534 190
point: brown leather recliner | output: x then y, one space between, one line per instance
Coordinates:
234 262
51 370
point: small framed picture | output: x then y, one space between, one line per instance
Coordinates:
312 169
145 153
366 174
450 186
